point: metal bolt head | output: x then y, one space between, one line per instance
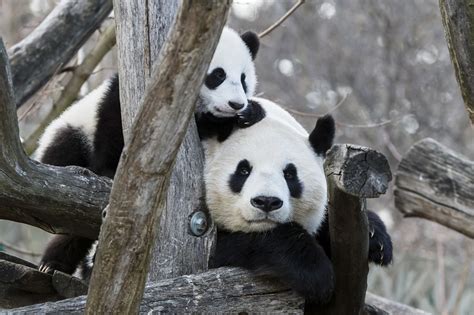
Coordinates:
198 223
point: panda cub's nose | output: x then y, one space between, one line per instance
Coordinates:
266 204
236 106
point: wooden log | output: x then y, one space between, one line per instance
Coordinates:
58 200
354 173
435 183
139 43
458 22
22 285
142 179
53 43
223 290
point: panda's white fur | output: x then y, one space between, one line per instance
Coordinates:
269 146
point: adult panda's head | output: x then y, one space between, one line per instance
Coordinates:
230 80
269 173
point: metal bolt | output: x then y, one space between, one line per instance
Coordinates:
198 223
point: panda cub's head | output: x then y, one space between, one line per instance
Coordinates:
231 79
269 173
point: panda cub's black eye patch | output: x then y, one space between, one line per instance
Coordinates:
242 80
291 177
240 175
215 78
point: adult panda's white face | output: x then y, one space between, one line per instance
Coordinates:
269 173
231 79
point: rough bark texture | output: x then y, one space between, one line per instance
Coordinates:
435 183
458 21
39 194
224 290
139 193
354 173
218 291
139 43
22 284
53 43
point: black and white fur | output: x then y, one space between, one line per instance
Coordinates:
266 191
89 133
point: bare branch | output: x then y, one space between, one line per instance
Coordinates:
435 183
282 19
58 200
53 43
80 74
142 179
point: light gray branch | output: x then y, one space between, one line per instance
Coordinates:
58 200
436 183
53 43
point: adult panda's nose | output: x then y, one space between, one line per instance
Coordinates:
266 204
236 106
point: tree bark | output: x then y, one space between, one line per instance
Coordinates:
458 22
39 194
437 184
139 43
142 179
53 43
354 173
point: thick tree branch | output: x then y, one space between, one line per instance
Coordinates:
141 183
354 173
58 200
53 43
458 21
79 75
435 183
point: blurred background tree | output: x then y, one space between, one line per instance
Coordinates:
382 68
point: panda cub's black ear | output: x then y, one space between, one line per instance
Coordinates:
252 41
322 137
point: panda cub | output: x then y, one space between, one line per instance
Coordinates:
266 191
89 133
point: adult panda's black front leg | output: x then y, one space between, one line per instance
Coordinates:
380 243
287 252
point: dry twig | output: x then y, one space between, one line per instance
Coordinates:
282 19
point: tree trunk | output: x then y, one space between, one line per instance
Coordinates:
141 183
139 44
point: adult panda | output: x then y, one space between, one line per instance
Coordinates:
89 133
266 191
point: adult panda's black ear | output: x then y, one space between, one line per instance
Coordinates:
322 136
252 41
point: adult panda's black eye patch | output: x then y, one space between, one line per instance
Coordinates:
215 78
291 177
238 178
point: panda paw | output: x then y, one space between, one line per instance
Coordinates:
50 266
380 243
